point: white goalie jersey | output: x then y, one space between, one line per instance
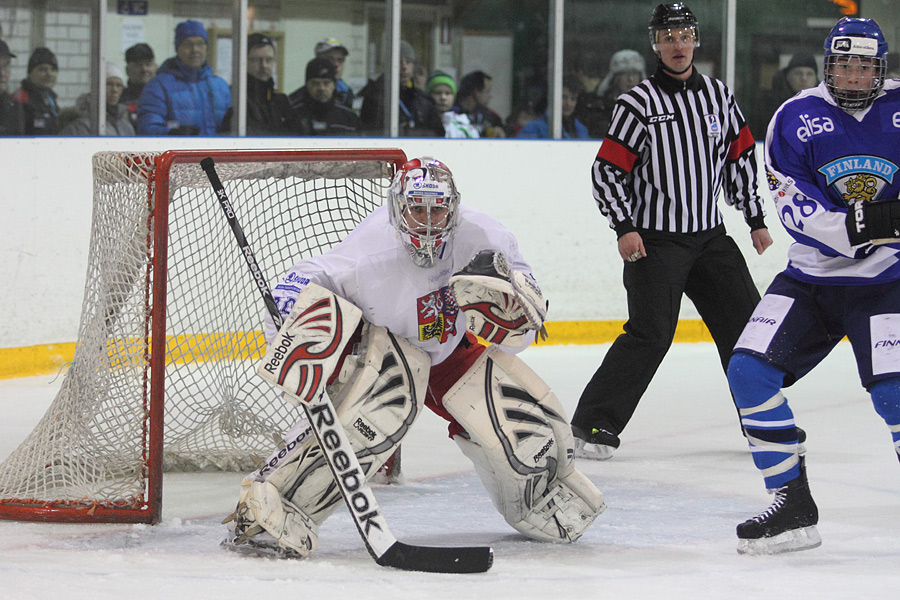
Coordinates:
370 268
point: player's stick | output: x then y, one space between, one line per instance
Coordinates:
356 492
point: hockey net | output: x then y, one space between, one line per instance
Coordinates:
163 374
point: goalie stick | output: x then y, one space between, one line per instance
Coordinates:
355 490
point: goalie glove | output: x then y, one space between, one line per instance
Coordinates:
501 305
876 222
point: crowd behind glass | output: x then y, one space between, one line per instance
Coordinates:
181 95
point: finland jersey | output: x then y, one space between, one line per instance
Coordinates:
818 158
372 269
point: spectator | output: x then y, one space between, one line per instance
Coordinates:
893 65
319 113
572 128
140 66
589 69
626 69
37 95
420 77
521 115
418 115
12 114
268 112
118 121
335 52
442 89
801 73
475 92
185 97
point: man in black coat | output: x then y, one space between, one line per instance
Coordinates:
317 110
12 115
268 112
418 115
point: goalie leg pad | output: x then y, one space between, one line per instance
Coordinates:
378 395
308 347
522 447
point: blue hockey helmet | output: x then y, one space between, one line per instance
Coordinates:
861 39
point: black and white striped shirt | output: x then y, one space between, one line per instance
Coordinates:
671 148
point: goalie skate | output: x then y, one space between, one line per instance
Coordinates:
261 545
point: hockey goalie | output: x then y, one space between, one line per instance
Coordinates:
386 323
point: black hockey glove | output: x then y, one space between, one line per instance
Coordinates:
883 221
876 222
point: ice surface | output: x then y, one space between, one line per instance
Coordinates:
676 488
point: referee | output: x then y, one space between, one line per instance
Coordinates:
675 141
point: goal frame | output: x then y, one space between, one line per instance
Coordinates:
149 511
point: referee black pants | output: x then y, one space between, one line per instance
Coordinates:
709 268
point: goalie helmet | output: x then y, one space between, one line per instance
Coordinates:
675 15
855 63
424 208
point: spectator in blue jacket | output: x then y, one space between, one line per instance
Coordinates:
572 128
185 97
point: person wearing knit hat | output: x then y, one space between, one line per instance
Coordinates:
191 43
118 121
317 111
442 89
626 69
186 97
12 114
800 73
37 95
336 52
418 115
269 112
140 67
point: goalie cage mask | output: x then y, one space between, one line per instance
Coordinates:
855 49
424 208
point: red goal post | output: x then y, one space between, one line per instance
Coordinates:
163 377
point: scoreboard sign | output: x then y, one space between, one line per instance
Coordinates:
132 7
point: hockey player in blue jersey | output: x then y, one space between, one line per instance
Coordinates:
832 160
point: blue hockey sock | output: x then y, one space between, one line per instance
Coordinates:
767 419
886 398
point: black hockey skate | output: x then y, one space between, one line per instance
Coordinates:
598 445
788 525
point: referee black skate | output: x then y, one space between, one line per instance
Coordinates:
676 141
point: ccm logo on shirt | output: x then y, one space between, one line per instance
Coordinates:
654 119
814 126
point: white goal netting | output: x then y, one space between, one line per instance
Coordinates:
172 320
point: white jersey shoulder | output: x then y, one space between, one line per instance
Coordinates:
372 269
